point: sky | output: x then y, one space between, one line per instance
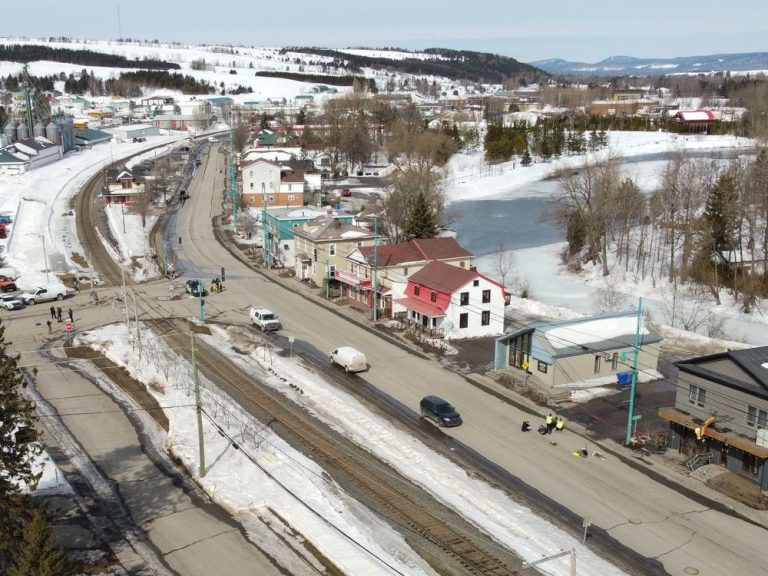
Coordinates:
576 31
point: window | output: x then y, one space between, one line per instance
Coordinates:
405 271
433 297
291 197
464 298
332 249
597 364
542 366
359 244
463 320
271 185
251 185
486 296
697 395
475 283
756 416
615 361
286 247
416 290
332 271
749 465
271 200
485 318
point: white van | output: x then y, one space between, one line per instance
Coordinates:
350 358
54 291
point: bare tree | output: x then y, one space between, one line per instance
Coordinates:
502 263
608 298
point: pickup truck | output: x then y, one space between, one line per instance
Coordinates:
45 293
265 319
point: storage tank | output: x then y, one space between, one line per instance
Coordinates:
52 133
38 129
10 131
22 133
4 140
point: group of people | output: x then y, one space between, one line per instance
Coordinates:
216 286
550 423
56 315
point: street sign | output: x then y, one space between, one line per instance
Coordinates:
637 417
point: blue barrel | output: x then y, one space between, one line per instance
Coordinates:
623 379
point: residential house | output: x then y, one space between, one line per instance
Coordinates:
746 260
394 264
454 302
321 245
281 155
122 189
261 177
721 411
279 225
592 349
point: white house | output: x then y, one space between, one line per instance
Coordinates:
13 163
272 154
454 302
39 150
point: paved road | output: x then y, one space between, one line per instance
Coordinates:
646 516
180 530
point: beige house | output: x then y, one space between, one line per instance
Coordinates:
321 245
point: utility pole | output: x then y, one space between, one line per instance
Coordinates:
165 257
264 223
199 410
633 385
136 322
375 268
200 290
233 176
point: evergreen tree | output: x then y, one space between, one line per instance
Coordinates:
720 213
16 452
421 221
38 553
526 159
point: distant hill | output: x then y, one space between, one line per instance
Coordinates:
454 64
629 66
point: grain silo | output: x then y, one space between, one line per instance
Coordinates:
10 131
22 132
66 131
52 133
38 129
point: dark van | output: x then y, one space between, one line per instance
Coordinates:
440 411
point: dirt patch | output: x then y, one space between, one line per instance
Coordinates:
121 378
79 260
740 489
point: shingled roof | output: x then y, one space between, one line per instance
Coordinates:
416 250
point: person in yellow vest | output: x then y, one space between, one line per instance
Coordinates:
550 421
560 424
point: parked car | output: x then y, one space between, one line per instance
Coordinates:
265 319
139 139
54 291
5 219
7 284
351 359
195 287
3 231
346 192
440 411
11 302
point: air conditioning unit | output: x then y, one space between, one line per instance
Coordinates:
762 437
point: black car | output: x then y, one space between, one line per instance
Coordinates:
440 411
195 287
139 139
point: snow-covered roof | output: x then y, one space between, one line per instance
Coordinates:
585 332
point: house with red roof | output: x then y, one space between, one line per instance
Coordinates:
693 120
393 264
454 302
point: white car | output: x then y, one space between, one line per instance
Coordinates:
11 303
265 319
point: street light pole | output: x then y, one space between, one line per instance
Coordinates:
45 255
633 385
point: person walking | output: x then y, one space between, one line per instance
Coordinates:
58 313
71 316
550 421
560 424
50 330
53 313
179 240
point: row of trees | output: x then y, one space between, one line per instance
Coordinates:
706 217
34 52
130 84
546 138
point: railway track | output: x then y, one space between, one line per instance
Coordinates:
420 515
470 551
